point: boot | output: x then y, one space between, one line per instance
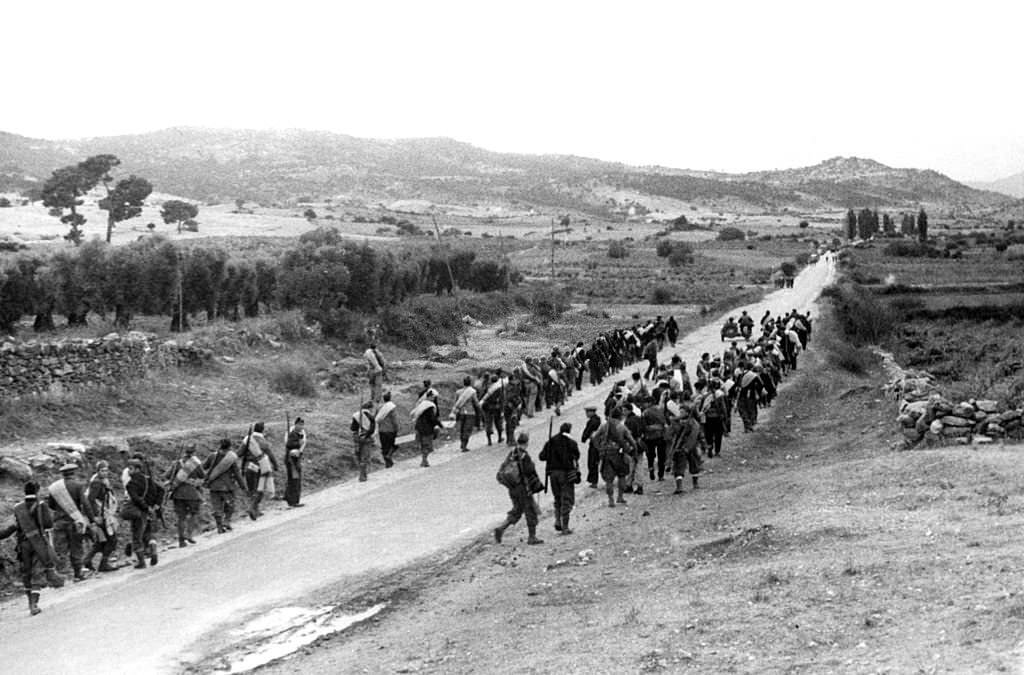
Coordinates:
611 498
679 486
105 565
52 578
77 572
650 472
533 536
558 523
489 438
153 559
694 479
220 523
181 533
620 499
499 531
638 490
565 525
140 561
190 527
33 602
425 463
362 474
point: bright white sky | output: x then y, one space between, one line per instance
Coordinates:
708 84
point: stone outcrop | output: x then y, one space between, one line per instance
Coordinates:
41 367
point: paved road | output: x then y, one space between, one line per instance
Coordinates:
158 619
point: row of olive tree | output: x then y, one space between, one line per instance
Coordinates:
329 279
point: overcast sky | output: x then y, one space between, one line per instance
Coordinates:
731 86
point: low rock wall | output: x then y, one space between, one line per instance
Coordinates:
42 367
926 416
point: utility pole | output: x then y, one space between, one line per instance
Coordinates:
552 249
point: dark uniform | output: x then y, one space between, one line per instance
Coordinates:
222 485
32 520
69 532
522 493
593 456
562 456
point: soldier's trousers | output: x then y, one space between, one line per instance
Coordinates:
564 492
66 537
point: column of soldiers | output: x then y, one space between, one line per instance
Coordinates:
661 414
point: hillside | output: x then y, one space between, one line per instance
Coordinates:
217 166
1011 185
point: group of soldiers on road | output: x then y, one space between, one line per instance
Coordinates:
667 414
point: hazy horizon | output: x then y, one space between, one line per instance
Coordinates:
736 88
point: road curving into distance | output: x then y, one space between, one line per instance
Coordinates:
165 618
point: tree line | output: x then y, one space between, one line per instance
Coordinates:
329 279
865 224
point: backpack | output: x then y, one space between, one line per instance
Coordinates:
716 408
510 473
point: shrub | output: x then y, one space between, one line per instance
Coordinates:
856 360
292 377
662 295
802 259
1001 246
863 318
617 249
549 303
664 248
731 234
5 203
804 224
423 321
682 254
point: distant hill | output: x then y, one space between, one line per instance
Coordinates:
1011 185
218 166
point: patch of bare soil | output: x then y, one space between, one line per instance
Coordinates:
811 546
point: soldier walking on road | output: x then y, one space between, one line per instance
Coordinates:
73 515
562 456
259 464
32 525
521 491
593 454
387 429
615 444
222 475
685 452
139 512
104 506
363 427
466 412
184 478
426 423
294 447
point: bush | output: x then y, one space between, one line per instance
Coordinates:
804 224
549 303
731 234
863 318
617 249
5 203
856 360
682 254
664 248
802 259
662 295
292 377
912 249
423 321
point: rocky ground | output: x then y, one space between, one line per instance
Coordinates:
813 545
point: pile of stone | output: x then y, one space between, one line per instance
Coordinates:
936 420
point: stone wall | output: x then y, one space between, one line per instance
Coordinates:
925 415
40 367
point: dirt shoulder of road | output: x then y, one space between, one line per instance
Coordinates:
813 544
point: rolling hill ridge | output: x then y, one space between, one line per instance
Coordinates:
217 166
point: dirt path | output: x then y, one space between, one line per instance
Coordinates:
161 619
